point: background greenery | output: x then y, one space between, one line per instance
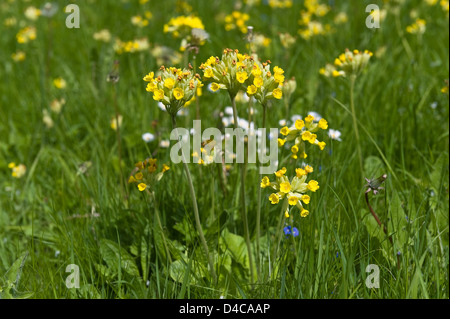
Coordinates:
120 253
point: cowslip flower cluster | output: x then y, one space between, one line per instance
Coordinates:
173 87
237 20
182 25
17 170
229 73
348 64
303 131
291 192
235 72
146 174
264 84
310 26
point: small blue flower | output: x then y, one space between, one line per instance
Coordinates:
288 230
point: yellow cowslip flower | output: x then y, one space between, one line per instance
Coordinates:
348 64
285 187
158 95
321 145
285 131
323 124
299 124
274 199
251 90
304 213
300 172
142 187
281 172
215 87
258 81
294 149
149 77
277 93
178 93
279 78
306 199
281 142
290 192
169 83
241 76
309 169
293 200
313 185
165 168
265 182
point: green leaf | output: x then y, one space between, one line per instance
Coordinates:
373 167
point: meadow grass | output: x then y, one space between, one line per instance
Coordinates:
58 214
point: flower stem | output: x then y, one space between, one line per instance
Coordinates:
196 214
355 123
119 144
258 211
243 208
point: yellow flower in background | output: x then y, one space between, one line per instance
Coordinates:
139 21
237 20
26 34
418 27
116 122
348 64
182 25
18 171
59 83
18 56
103 35
280 4
142 187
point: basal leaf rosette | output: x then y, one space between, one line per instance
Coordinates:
173 87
